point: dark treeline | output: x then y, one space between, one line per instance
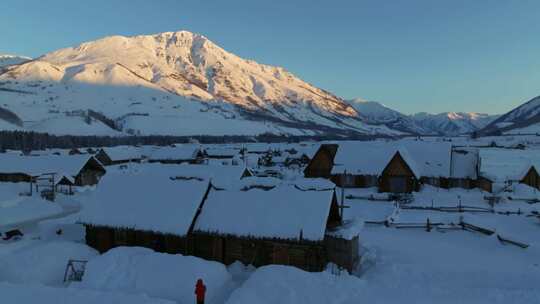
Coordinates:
28 141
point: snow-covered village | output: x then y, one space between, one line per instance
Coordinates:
144 164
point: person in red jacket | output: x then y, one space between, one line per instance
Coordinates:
200 290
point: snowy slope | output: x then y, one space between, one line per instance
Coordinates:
524 119
173 83
448 123
6 60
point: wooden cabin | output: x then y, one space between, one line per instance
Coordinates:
398 177
84 169
64 184
162 211
119 155
384 165
103 157
103 238
241 226
500 168
531 178
322 162
90 173
194 218
179 155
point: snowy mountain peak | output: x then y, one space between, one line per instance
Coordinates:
174 75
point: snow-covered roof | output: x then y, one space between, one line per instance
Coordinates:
146 200
283 212
36 165
429 159
178 152
220 176
255 181
60 177
123 152
222 150
501 165
317 184
464 163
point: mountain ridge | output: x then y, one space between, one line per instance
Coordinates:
445 123
523 119
202 77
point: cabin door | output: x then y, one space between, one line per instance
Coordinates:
398 184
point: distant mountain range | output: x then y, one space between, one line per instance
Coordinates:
448 123
181 83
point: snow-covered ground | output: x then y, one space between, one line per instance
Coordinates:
407 265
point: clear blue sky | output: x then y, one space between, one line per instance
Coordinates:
412 55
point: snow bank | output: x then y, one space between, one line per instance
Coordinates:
283 284
43 263
141 270
24 294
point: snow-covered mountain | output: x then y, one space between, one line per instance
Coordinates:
174 83
524 119
376 113
449 123
6 60
452 123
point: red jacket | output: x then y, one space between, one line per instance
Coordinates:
200 290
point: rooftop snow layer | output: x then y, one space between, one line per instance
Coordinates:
179 152
465 162
146 200
123 153
283 212
36 165
501 165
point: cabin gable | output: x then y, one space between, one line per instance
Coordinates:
398 177
90 173
322 162
334 216
103 157
531 178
